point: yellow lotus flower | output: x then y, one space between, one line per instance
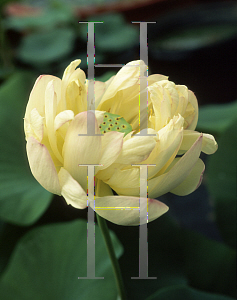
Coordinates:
55 125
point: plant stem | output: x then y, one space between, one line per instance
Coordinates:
118 277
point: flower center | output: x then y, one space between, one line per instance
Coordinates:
114 122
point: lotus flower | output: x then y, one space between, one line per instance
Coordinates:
57 146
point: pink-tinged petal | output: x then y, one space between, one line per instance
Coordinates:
112 143
62 118
42 166
192 181
123 210
80 148
37 94
209 145
176 173
72 192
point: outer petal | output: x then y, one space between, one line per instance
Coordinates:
80 148
37 94
42 166
50 114
193 180
123 210
28 129
35 126
71 190
177 174
209 145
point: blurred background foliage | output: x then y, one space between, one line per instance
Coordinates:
192 249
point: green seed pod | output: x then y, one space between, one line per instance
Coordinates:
114 122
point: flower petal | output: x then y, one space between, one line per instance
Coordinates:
161 101
191 113
121 175
99 116
35 126
62 118
80 148
156 77
127 76
99 89
123 210
192 181
50 114
71 72
72 84
71 190
183 99
209 145
136 148
176 174
112 143
102 189
42 166
170 138
125 178
37 94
